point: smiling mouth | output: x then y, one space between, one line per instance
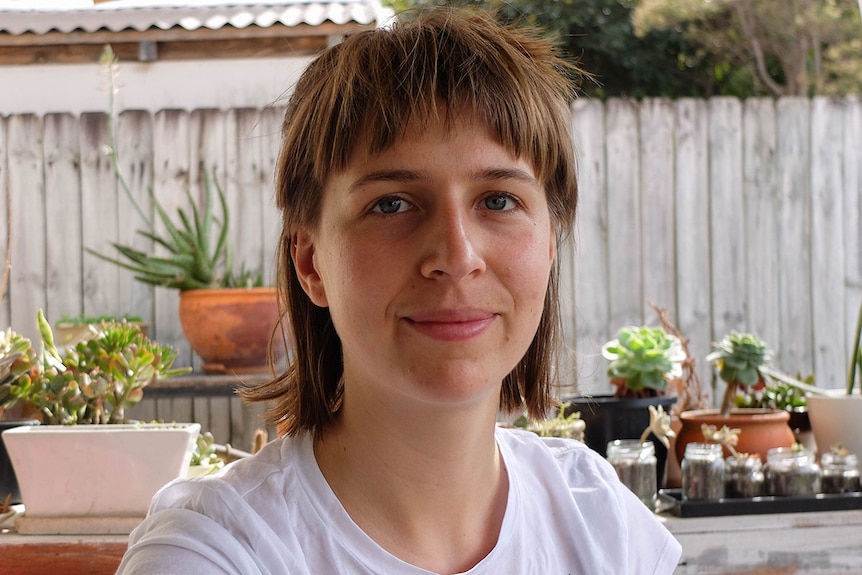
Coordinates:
451 326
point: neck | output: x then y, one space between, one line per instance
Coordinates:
425 482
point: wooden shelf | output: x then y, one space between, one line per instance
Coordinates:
201 385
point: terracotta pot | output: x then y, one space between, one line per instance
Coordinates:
230 329
761 429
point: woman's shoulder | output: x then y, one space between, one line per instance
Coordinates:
272 469
526 443
578 464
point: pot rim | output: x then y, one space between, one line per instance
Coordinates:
105 428
747 413
204 292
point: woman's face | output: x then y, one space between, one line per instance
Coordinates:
433 257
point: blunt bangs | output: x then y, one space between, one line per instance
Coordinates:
377 83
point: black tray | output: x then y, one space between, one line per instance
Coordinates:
671 500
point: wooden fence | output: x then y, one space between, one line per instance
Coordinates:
730 214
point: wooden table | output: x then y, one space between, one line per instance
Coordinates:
778 544
66 554
784 543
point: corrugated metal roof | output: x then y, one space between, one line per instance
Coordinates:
32 16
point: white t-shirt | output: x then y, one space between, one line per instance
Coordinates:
275 514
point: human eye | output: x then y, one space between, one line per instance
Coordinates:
500 202
390 205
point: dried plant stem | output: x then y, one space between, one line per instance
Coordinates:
688 388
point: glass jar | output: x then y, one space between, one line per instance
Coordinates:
743 476
839 472
703 471
635 464
791 472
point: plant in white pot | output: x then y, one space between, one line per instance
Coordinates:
836 416
86 469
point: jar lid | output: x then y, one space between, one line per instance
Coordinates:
696 449
630 448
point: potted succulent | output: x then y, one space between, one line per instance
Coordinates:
642 362
836 415
565 423
227 316
740 359
86 469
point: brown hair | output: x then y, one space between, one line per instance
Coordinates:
375 84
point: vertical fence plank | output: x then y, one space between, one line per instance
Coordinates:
793 178
657 206
692 231
624 222
245 182
567 367
207 156
99 212
134 206
827 240
269 132
761 210
63 210
727 230
201 411
852 216
27 279
6 226
590 270
220 419
170 182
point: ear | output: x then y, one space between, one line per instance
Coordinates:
305 263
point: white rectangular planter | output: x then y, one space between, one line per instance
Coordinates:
76 479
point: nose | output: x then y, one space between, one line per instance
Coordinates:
453 245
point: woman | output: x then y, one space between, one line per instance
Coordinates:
426 179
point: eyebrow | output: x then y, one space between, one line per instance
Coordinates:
486 175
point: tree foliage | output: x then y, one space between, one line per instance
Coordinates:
697 48
789 47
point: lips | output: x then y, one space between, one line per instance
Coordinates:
451 325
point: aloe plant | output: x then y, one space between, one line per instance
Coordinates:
94 381
197 248
642 359
197 251
739 358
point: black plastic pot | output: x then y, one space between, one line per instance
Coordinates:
608 418
8 482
